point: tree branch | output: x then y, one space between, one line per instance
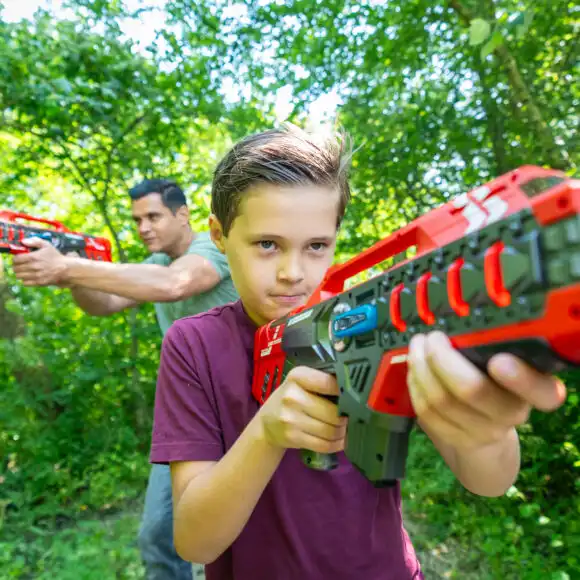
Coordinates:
554 155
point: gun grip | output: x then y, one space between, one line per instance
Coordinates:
321 461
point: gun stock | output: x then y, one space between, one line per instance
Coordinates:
13 231
497 269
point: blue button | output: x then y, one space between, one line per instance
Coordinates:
356 321
43 235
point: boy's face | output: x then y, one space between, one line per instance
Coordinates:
279 247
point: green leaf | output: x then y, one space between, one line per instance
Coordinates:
521 23
495 41
479 30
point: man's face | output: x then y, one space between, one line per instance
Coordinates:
157 226
279 246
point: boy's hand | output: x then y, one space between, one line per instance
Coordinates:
43 267
296 416
465 408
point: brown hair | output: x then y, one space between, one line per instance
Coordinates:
285 156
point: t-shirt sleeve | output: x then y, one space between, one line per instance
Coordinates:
185 422
213 255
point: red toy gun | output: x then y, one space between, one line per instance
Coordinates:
497 269
12 232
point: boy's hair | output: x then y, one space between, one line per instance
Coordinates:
172 195
285 156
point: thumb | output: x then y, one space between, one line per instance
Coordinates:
35 242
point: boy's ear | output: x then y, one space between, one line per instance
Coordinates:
216 233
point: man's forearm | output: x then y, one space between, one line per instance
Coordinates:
93 302
215 506
139 282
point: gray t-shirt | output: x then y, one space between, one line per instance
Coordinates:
222 293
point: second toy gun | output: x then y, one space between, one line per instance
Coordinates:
496 269
13 230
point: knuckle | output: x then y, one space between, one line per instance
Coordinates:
473 392
521 416
438 398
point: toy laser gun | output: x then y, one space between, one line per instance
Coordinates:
496 269
12 232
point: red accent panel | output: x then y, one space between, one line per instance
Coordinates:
269 359
454 288
494 277
389 393
395 308
423 299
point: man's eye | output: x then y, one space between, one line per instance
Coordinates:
318 246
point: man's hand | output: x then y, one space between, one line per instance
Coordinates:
41 267
462 406
296 416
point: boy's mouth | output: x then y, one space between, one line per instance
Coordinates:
289 299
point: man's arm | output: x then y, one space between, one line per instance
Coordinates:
125 284
187 276
98 303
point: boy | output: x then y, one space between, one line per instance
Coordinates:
244 503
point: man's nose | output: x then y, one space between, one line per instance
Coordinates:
291 269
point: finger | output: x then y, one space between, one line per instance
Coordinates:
307 424
541 391
26 272
317 407
314 380
471 386
22 259
313 443
35 242
428 396
457 423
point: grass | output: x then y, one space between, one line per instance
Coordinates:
92 549
106 549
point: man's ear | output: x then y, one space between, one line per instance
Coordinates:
183 214
217 233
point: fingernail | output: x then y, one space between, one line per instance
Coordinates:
506 366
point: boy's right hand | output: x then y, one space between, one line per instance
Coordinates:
297 416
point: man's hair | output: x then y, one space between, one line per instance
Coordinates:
285 156
172 195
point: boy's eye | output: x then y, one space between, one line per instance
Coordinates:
266 244
318 246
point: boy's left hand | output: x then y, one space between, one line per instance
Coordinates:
464 407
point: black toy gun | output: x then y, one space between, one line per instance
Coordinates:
496 269
13 231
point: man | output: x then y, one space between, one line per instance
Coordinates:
184 275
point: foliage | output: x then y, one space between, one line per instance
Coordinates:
438 97
93 549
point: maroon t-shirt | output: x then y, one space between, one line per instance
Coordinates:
307 525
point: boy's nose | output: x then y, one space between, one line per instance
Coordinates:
291 270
